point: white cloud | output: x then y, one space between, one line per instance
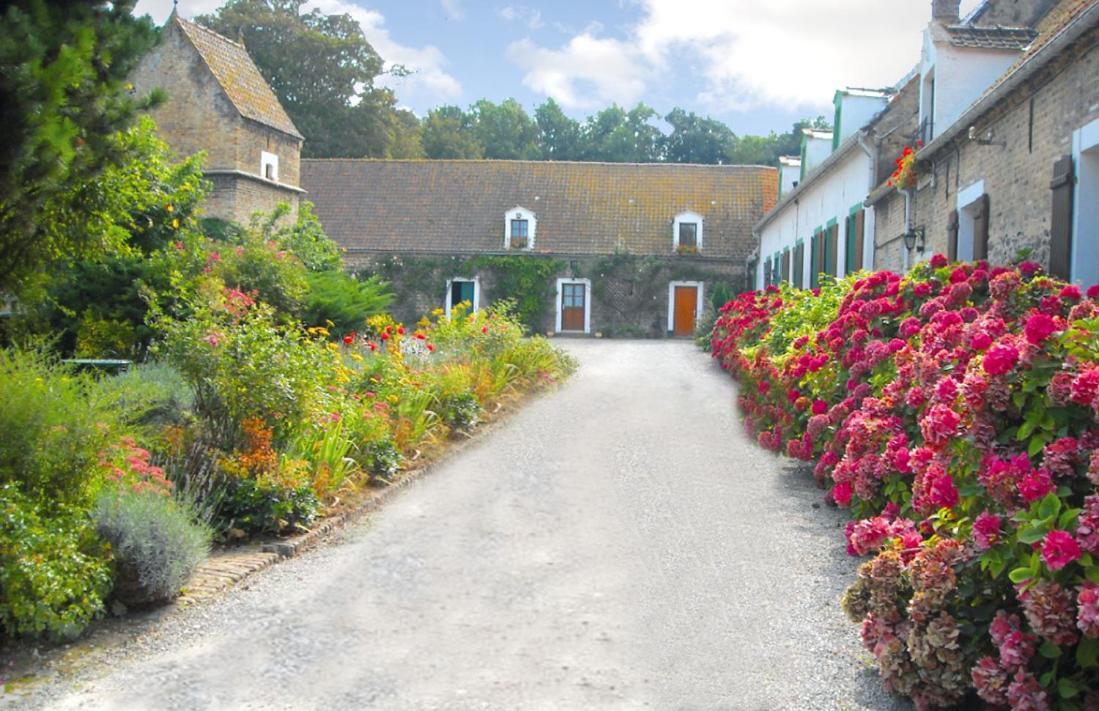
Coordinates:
160 9
786 53
429 80
587 72
525 15
453 9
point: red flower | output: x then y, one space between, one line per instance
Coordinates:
820 407
484 329
431 347
841 493
349 338
1059 549
1036 484
1093 291
400 330
1028 269
986 530
1039 327
938 261
1000 359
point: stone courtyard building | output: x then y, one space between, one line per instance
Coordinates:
218 102
625 249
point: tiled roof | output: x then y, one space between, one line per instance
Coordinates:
238 75
458 206
1016 38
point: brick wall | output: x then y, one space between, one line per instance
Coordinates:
1036 122
237 198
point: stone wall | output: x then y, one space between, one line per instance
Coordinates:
237 198
629 294
1031 129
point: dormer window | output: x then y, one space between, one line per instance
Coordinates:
269 166
687 232
519 228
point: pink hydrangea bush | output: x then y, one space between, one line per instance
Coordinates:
955 413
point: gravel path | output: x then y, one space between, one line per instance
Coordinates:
619 544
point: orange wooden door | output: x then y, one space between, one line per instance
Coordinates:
686 304
572 307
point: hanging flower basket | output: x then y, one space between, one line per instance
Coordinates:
906 174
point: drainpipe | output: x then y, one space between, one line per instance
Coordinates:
909 195
871 152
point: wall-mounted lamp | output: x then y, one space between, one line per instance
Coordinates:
986 139
914 238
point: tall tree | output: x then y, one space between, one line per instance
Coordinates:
63 97
322 69
619 136
504 130
695 139
445 133
559 134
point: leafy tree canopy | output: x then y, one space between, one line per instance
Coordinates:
63 98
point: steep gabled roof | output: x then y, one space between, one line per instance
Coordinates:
1008 38
238 76
458 206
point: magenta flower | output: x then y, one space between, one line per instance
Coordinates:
938 261
1029 269
1000 359
986 530
1093 291
819 407
1087 615
1039 327
841 494
1087 525
1036 484
1059 549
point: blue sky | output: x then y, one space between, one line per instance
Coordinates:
757 65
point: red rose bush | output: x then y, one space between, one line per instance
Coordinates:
955 412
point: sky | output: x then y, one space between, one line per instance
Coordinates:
757 65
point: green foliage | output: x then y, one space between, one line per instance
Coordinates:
504 131
305 239
54 574
246 365
615 135
52 431
445 133
384 460
560 134
155 542
147 394
63 97
262 508
460 411
324 72
522 280
343 300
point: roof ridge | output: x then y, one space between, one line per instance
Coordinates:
666 164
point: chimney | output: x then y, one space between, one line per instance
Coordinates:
946 12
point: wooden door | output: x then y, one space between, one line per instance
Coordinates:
573 300
686 305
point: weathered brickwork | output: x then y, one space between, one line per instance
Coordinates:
1031 128
237 198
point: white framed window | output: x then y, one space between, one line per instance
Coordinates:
459 289
269 166
968 209
520 226
573 306
687 231
1085 201
684 306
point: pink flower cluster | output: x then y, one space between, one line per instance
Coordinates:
957 404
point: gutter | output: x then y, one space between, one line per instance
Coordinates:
824 168
1083 22
257 179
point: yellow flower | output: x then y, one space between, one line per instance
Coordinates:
169 208
175 223
333 347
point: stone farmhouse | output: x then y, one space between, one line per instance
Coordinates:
630 249
218 102
623 249
1002 113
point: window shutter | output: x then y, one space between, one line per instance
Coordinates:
849 244
1060 224
952 236
833 249
980 229
814 260
799 265
786 265
860 238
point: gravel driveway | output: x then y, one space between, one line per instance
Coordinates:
619 544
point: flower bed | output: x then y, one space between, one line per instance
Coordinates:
953 411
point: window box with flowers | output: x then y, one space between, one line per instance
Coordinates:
686 249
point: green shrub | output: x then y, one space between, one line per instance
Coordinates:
384 460
344 301
155 541
262 508
54 573
148 393
461 411
52 431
